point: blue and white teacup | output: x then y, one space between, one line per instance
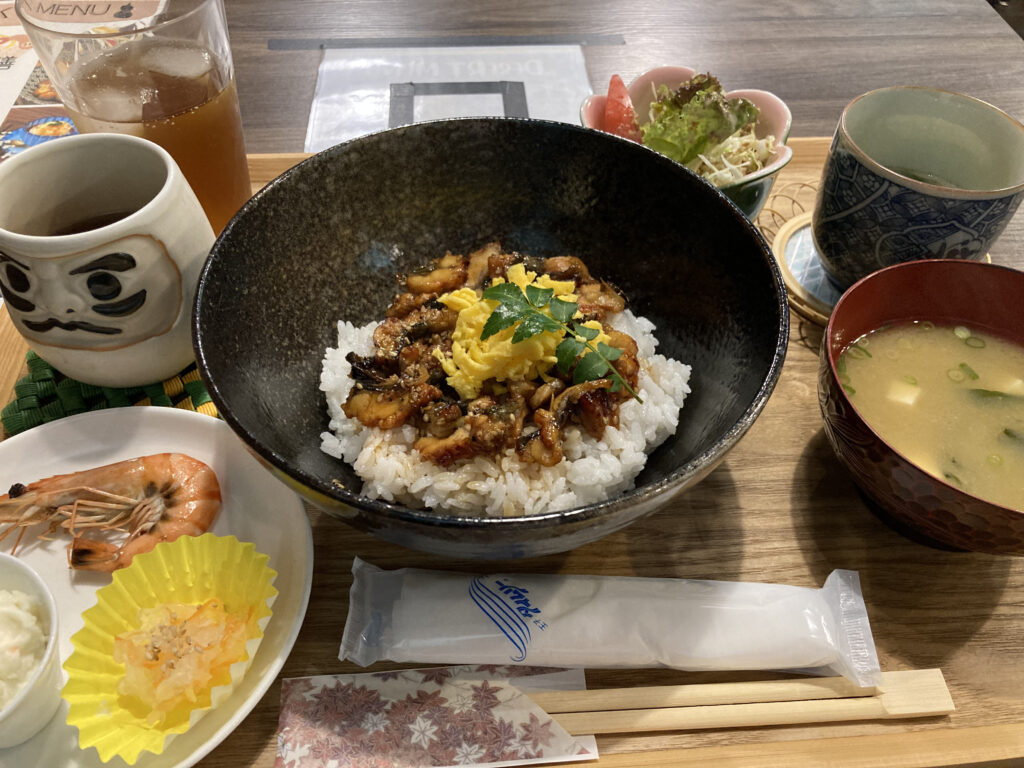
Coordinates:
916 173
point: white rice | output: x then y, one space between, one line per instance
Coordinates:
502 486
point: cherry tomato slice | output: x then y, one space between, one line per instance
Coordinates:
619 115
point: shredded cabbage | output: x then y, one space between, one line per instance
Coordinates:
740 154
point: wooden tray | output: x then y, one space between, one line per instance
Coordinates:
780 508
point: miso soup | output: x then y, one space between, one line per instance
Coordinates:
950 399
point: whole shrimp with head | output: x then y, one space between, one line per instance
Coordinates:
135 504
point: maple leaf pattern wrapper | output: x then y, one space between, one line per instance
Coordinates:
443 716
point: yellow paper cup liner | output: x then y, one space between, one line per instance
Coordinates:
188 570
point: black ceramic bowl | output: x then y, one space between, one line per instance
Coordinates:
323 242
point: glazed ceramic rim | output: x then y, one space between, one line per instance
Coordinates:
698 466
782 151
935 190
829 330
68 144
50 610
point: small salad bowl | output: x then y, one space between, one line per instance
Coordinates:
749 192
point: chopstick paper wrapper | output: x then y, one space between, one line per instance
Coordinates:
426 717
413 615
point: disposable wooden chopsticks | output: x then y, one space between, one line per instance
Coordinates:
911 693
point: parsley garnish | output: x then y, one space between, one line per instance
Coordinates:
515 306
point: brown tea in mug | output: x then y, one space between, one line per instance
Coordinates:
91 222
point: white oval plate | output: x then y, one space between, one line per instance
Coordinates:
256 507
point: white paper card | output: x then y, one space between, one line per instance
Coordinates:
363 90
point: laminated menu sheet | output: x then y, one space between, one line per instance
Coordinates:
31 111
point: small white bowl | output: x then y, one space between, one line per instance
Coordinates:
749 192
34 705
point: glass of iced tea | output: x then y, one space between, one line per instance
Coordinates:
158 69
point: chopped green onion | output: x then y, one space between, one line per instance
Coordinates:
994 459
994 394
849 390
926 325
955 374
910 380
961 332
954 478
968 371
857 351
974 341
841 365
844 378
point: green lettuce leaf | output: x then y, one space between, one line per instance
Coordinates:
693 118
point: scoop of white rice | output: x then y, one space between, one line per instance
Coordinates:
503 486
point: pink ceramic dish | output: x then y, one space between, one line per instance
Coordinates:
750 192
945 291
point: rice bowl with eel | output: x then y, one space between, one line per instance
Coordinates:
469 447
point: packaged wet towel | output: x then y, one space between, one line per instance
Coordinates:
413 615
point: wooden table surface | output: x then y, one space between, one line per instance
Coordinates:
816 55
780 508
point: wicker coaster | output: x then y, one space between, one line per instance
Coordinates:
786 223
811 293
46 395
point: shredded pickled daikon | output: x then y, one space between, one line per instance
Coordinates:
178 654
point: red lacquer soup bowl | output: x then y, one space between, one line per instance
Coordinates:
947 292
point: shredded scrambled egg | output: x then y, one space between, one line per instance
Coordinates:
473 360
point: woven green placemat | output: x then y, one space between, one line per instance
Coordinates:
46 395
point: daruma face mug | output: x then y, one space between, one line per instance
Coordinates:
916 173
101 244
